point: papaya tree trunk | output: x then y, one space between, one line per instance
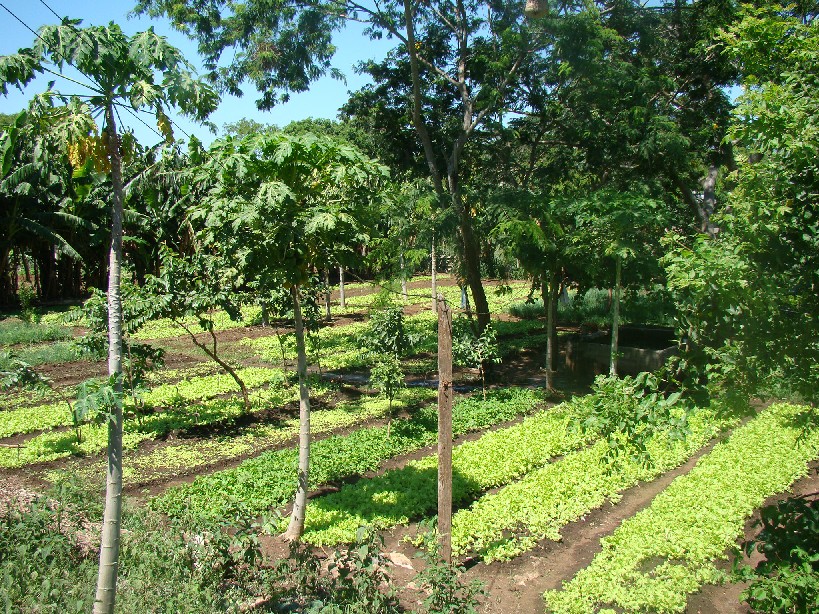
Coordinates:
615 317
109 547
434 277
342 299
296 526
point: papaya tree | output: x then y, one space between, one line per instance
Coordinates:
139 72
279 206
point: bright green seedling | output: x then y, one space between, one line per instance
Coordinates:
475 351
387 376
403 494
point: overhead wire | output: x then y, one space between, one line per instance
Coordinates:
133 113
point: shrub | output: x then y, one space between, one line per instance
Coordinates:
787 580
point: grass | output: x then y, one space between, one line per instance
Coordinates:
16 332
49 353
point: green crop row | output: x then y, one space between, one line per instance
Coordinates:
502 525
41 417
411 492
62 444
192 455
166 329
655 559
269 481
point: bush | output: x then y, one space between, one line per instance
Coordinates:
787 580
352 583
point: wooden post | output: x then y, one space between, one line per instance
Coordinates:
341 297
445 393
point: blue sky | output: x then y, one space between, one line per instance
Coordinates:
323 99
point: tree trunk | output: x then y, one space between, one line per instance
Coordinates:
434 277
109 548
709 201
327 313
296 526
471 260
214 356
615 317
549 293
341 297
404 293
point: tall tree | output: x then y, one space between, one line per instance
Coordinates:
278 206
466 58
748 300
140 71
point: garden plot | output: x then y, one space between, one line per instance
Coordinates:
656 559
265 482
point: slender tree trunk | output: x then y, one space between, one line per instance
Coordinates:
296 526
341 297
109 548
434 277
549 294
709 201
615 318
404 293
214 356
327 313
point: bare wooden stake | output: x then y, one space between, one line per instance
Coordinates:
445 393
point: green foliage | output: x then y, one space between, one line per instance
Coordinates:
403 494
638 306
387 377
474 350
502 525
13 332
49 561
97 400
138 358
748 299
43 567
27 297
446 592
655 559
386 333
787 579
629 411
266 482
52 353
351 582
178 414
16 373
